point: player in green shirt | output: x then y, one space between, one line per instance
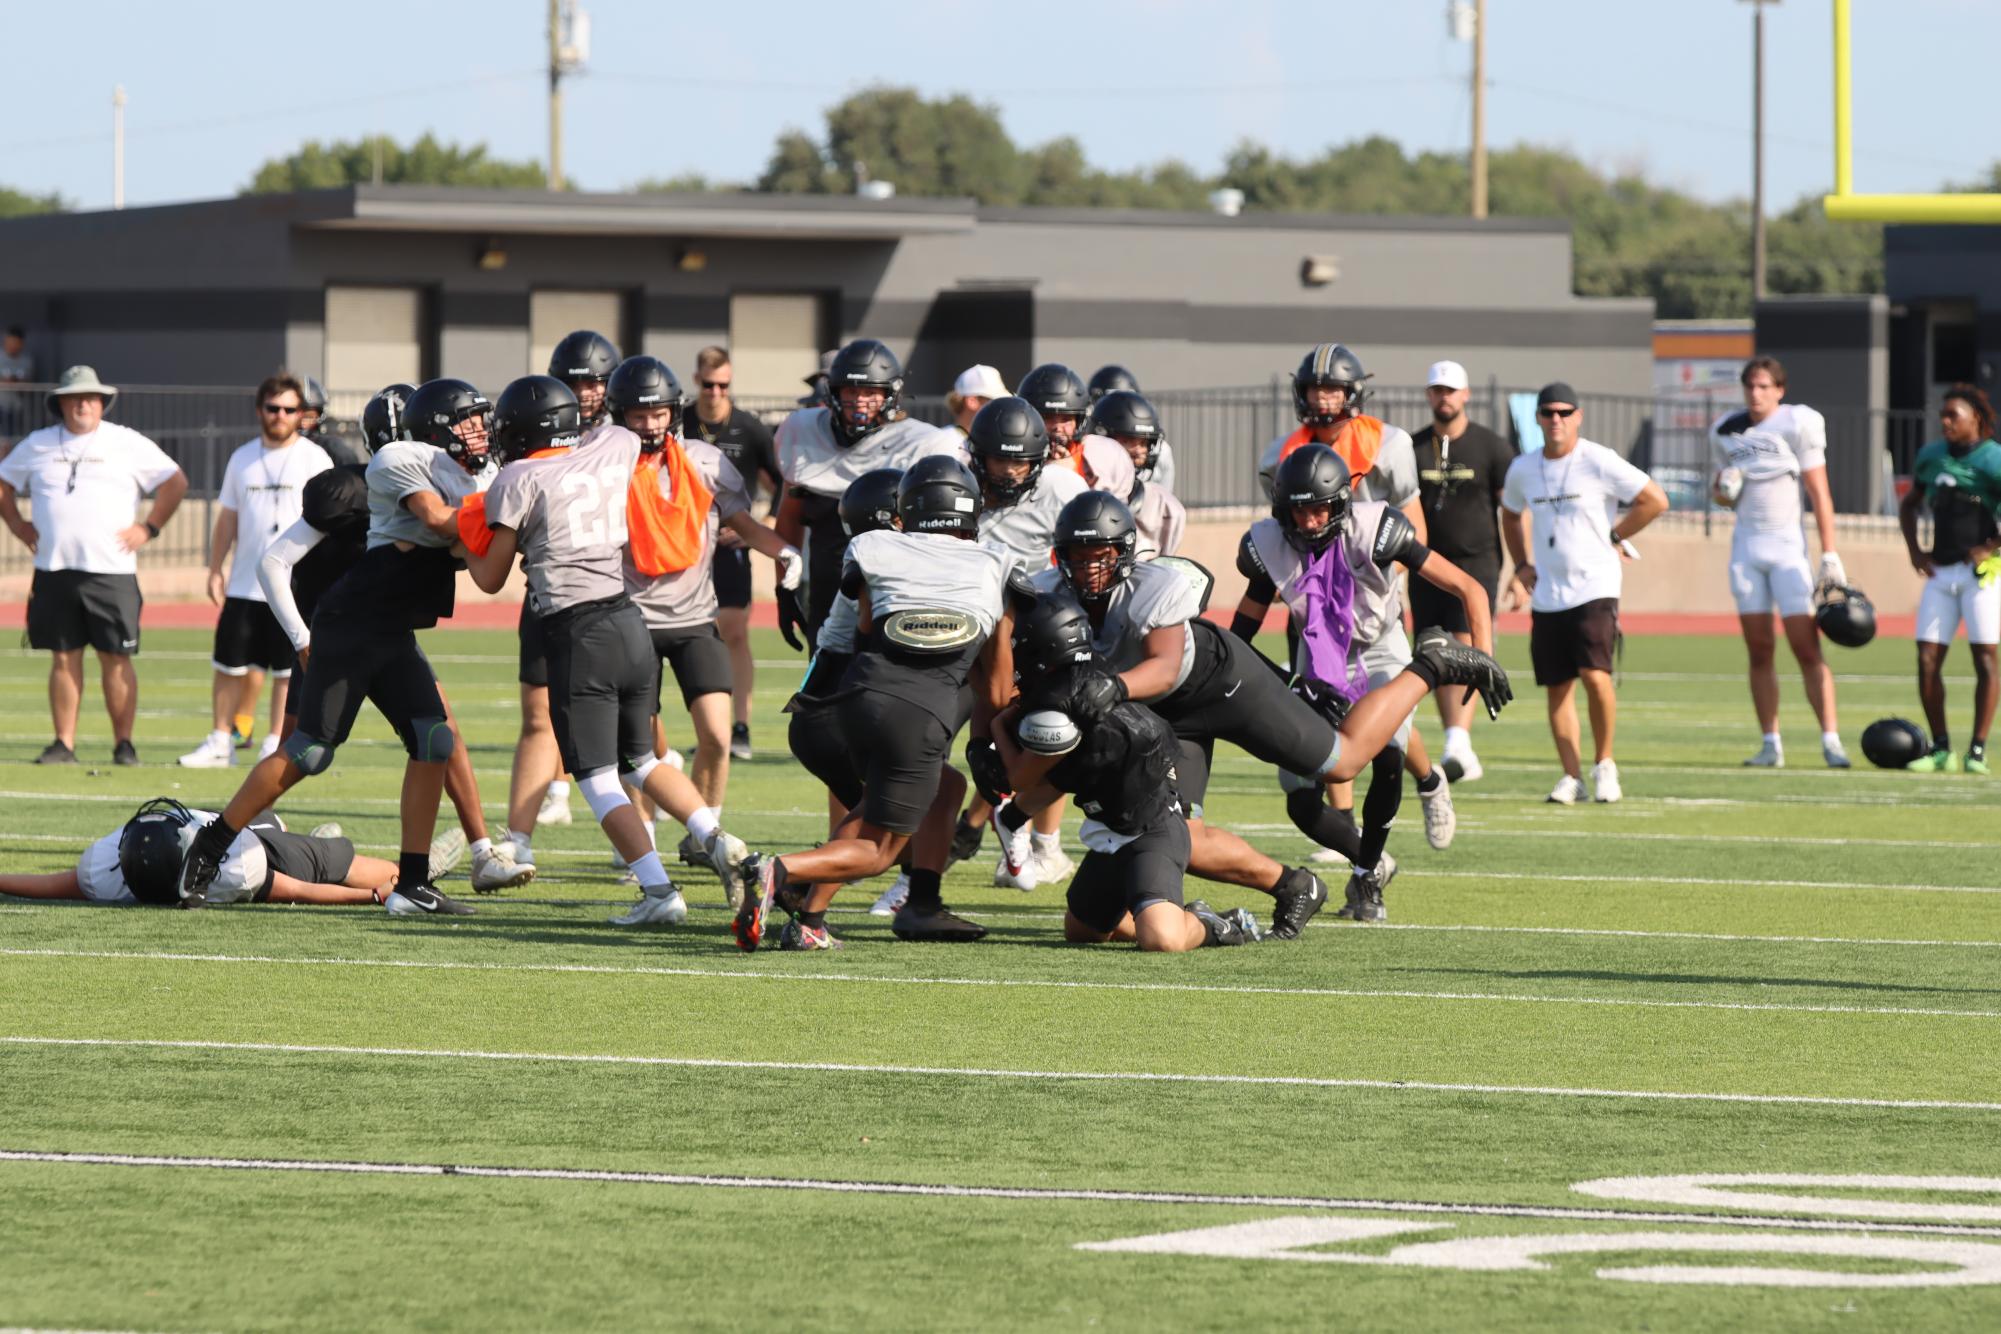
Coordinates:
1961 477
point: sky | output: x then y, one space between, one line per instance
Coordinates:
218 86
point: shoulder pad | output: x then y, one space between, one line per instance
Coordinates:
1395 538
1048 732
1196 574
1021 593
1249 563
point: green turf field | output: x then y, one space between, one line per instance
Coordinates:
1733 972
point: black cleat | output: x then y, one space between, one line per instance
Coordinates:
423 901
203 863
1235 927
56 753
1365 892
1299 895
965 841
934 923
124 753
1457 664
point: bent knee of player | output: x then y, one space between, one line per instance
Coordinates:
1166 928
431 739
305 756
1079 932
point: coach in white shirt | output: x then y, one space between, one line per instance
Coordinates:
1570 493
85 476
262 496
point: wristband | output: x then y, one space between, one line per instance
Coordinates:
152 528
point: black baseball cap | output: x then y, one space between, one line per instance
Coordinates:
1556 392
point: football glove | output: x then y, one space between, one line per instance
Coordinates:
790 618
790 566
1088 693
1832 574
1322 698
1989 570
989 774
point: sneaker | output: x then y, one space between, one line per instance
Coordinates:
1365 892
125 754
268 748
1020 877
199 869
1455 664
799 936
494 870
1976 764
939 924
1235 927
1940 761
56 753
1461 766
668 909
1605 782
423 901
1567 792
752 895
892 898
447 851
724 853
328 830
1299 895
520 849
740 741
1441 822
555 808
213 753
1836 755
1016 867
965 842
1769 756
1051 865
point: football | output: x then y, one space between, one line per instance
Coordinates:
1729 486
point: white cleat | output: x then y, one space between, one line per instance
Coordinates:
892 898
1835 754
555 807
1769 756
1567 792
1605 782
267 748
447 851
1051 865
666 910
517 848
1441 822
725 853
328 830
496 870
1461 766
210 754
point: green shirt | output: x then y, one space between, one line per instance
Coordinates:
1965 494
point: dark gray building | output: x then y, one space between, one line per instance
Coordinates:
369 284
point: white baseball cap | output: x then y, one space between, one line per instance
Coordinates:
1448 373
980 382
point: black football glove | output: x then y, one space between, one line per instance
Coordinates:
989 774
1088 693
1322 698
790 618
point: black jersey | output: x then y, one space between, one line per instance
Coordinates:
1122 770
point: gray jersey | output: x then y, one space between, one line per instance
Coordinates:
567 511
1160 518
399 471
1151 597
686 597
837 632
1393 480
1020 533
1378 607
811 459
922 573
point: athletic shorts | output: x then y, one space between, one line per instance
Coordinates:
1383 662
1431 605
1146 871
1581 638
1768 572
818 742
73 609
731 575
1953 594
700 659
534 669
1232 694
247 637
898 750
353 660
317 861
602 684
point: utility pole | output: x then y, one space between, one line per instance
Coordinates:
555 94
1466 21
1758 148
118 146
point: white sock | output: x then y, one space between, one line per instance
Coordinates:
481 847
219 737
704 822
1830 739
1047 842
1458 738
1772 739
652 875
560 790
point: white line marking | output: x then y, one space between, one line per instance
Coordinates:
943 1191
1003 983
1766 840
982 1072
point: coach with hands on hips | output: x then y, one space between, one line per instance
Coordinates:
1571 492
84 475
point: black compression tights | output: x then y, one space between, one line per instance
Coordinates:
1334 828
1326 825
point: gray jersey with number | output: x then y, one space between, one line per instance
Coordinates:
399 471
811 459
567 511
682 598
1021 532
1151 597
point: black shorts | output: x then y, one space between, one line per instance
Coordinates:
353 661
534 670
1582 638
1146 871
898 750
72 609
1232 695
818 743
601 685
1431 605
731 573
247 637
700 659
317 861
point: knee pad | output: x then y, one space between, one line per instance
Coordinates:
603 791
308 755
1328 765
430 740
641 767
1387 766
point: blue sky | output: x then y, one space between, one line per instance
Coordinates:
217 87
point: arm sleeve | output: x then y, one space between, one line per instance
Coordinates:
1396 542
1260 586
1811 445
274 576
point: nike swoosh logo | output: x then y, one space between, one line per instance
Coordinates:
1233 690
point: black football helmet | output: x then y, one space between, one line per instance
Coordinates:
864 363
938 494
151 848
1096 519
535 412
1009 429
1329 364
1052 634
645 382
382 418
1125 414
314 397
1845 615
869 503
1892 743
434 412
1311 475
336 501
584 355
1111 379
1054 388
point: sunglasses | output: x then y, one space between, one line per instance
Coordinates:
279 410
713 384
1556 412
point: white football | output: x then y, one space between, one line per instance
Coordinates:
1729 486
1048 732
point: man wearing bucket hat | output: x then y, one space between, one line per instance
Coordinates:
84 476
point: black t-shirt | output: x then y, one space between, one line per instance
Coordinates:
744 440
1459 482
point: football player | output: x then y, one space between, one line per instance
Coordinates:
1123 415
1112 380
405 581
1063 401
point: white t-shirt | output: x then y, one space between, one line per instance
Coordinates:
85 490
1572 503
266 489
243 872
1771 454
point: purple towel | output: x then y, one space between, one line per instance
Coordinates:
1329 589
